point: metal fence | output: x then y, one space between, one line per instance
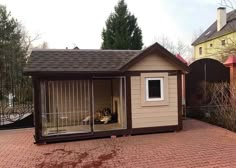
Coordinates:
16 101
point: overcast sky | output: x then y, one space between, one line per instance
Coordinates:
65 23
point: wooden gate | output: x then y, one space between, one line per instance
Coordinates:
203 73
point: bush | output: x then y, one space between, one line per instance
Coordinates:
223 98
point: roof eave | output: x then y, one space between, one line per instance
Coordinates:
39 73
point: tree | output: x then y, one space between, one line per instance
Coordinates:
43 45
13 52
122 30
175 48
228 3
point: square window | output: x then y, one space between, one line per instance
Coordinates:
211 45
154 89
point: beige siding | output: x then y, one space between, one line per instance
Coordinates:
153 116
153 62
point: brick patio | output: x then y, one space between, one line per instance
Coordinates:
198 145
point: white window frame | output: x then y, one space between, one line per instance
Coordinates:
147 89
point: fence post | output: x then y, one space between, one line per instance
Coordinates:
231 64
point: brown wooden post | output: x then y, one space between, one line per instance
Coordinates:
180 94
128 103
37 116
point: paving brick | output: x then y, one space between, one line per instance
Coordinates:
198 145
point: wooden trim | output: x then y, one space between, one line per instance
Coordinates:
179 92
79 76
155 48
148 130
37 116
173 73
165 101
128 103
47 99
111 95
91 105
138 73
73 73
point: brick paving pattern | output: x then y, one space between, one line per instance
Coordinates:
198 145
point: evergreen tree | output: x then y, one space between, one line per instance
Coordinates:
12 54
122 30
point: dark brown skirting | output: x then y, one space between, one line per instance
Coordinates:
85 136
105 134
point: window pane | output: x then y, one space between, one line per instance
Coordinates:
154 88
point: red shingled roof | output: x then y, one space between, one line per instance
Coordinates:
181 59
231 60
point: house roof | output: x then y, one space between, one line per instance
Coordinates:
181 59
87 61
231 60
212 33
77 60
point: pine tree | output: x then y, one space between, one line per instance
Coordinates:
122 30
12 53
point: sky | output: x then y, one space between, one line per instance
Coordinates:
70 23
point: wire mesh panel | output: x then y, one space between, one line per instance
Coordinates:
65 106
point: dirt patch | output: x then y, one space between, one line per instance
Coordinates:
57 157
101 159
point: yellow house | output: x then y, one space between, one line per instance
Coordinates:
216 41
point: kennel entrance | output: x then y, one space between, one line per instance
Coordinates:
83 106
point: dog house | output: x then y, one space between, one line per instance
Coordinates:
82 94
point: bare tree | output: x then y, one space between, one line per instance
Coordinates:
44 45
223 98
196 34
166 42
228 3
27 40
175 48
